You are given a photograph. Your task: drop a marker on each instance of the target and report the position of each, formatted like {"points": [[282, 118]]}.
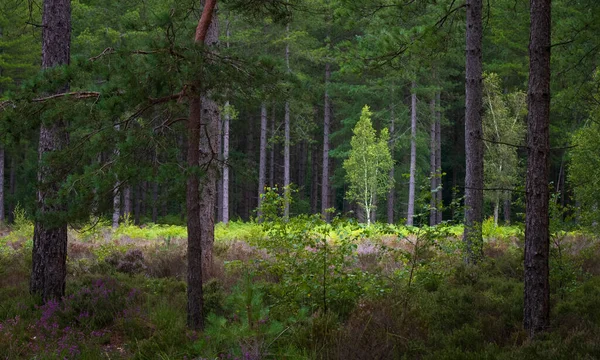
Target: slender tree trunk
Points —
{"points": [[195, 305], [507, 201], [225, 191], [496, 209], [473, 134], [2, 216], [127, 201], [314, 182], [286, 148], [138, 204], [390, 199], [537, 289], [413, 156], [12, 187], [155, 201], [219, 184], [272, 150], [432, 166], [326, 129], [49, 268], [116, 193], [438, 157], [209, 133], [262, 167]]}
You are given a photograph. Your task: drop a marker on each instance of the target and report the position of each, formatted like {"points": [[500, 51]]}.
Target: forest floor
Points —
{"points": [[299, 290]]}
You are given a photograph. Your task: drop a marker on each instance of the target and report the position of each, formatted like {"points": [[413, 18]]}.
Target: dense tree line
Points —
{"points": [[140, 100]]}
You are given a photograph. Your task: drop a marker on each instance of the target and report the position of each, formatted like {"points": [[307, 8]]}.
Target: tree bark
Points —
{"points": [[2, 216], [473, 134], [262, 162], [507, 202], [225, 191], [209, 156], [286, 146], [432, 166], [326, 130], [127, 201], [438, 157], [413, 157], [537, 294], [314, 181], [390, 199], [12, 187], [116, 193], [195, 304], [272, 150], [49, 268]]}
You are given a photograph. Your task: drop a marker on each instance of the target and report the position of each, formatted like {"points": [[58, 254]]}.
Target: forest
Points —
{"points": [[299, 179]]}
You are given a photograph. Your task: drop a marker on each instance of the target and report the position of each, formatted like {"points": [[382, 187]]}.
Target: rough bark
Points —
{"points": [[209, 156], [225, 191], [390, 199], [432, 166], [438, 156], [195, 304], [49, 268], [473, 134], [537, 295], [413, 157], [326, 129], [262, 159], [127, 201]]}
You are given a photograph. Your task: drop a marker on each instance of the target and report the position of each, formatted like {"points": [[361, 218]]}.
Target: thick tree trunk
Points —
{"points": [[127, 201], [390, 199], [413, 156], [438, 156], [272, 150], [262, 159], [473, 134], [432, 166], [209, 155], [195, 305], [49, 268], [537, 293], [225, 191], [325, 203]]}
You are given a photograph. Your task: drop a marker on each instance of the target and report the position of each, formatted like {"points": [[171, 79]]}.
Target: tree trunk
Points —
{"points": [[195, 305], [496, 210], [413, 156], [507, 202], [390, 199], [432, 166], [49, 268], [12, 187], [438, 157], [286, 146], [473, 134], [272, 150], [326, 129], [138, 204], [116, 193], [537, 294], [209, 133], [127, 201], [225, 191], [2, 216], [262, 167], [314, 181]]}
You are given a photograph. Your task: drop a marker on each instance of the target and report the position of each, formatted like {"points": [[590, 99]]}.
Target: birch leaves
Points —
{"points": [[368, 165]]}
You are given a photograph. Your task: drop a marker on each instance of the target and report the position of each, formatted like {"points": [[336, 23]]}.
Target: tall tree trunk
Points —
{"points": [[155, 201], [432, 166], [219, 184], [496, 209], [2, 216], [12, 187], [225, 191], [473, 134], [209, 133], [390, 199], [413, 156], [116, 193], [49, 268], [507, 202], [272, 150], [537, 294], [286, 146], [127, 201], [326, 130], [195, 304], [262, 162], [314, 181], [137, 210], [438, 156]]}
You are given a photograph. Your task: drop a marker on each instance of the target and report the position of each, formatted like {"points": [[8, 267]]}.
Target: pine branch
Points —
{"points": [[76, 95]]}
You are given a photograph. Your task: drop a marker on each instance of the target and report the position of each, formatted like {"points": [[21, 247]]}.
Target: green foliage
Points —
{"points": [[368, 164]]}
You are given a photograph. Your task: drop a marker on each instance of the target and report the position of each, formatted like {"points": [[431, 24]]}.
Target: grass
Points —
{"points": [[365, 293]]}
